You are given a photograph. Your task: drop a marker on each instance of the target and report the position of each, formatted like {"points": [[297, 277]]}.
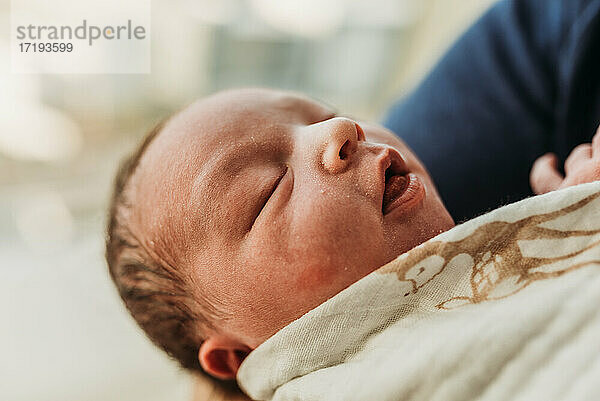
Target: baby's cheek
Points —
{"points": [[312, 276], [318, 279], [315, 284]]}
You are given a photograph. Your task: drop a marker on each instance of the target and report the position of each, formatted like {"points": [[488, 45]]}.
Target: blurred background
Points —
{"points": [[64, 334]]}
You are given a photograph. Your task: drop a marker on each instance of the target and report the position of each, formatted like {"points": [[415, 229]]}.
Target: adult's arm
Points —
{"points": [[522, 81]]}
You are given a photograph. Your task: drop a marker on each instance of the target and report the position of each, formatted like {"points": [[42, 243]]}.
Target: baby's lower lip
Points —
{"points": [[410, 195]]}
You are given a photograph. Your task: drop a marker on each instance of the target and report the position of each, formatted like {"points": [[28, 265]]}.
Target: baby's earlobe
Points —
{"points": [[221, 357]]}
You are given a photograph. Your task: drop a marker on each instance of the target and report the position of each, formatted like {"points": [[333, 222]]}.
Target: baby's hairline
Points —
{"points": [[124, 251]]}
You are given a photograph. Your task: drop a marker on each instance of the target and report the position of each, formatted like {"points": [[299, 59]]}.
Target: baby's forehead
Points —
{"points": [[228, 110]]}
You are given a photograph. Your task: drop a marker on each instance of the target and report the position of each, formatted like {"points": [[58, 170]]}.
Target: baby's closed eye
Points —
{"points": [[268, 193]]}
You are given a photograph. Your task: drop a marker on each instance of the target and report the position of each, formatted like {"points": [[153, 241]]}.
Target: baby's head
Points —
{"points": [[249, 208]]}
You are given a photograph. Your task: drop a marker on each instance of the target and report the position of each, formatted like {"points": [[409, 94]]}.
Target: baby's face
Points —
{"points": [[272, 204]]}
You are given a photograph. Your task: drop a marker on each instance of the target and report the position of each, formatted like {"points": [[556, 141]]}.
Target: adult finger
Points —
{"points": [[544, 176], [580, 153], [596, 144]]}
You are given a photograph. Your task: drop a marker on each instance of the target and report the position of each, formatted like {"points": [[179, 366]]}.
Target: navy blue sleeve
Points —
{"points": [[523, 80]]}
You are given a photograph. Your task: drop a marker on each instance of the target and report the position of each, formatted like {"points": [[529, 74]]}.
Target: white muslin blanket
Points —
{"points": [[503, 307]]}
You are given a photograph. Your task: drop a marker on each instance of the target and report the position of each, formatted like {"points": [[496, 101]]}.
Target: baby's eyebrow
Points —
{"points": [[236, 158], [209, 179], [210, 176]]}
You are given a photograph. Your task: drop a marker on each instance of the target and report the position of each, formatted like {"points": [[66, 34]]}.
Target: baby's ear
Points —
{"points": [[221, 357]]}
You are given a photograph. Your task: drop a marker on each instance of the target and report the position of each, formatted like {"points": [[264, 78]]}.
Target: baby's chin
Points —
{"points": [[403, 232]]}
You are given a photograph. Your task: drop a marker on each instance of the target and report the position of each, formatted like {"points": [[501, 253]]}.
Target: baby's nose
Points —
{"points": [[341, 136]]}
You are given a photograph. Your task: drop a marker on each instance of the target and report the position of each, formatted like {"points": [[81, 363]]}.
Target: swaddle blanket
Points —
{"points": [[503, 307]]}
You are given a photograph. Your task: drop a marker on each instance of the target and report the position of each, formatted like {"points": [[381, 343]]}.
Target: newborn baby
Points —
{"points": [[251, 207]]}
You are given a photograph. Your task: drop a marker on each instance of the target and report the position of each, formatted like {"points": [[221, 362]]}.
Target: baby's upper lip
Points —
{"points": [[391, 162], [391, 159]]}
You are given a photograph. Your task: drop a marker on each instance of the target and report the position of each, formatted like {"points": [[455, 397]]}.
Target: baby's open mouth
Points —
{"points": [[402, 188], [395, 185]]}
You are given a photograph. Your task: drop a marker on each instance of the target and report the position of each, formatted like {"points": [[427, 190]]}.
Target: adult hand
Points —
{"points": [[582, 165]]}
